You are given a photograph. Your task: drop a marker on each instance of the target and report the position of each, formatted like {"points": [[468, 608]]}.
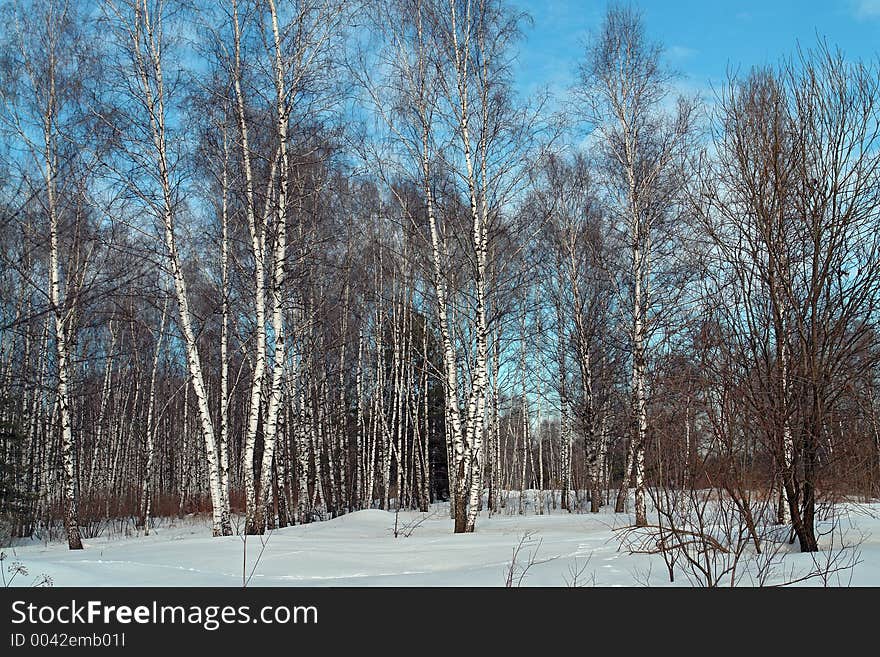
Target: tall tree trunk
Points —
{"points": [[149, 438], [147, 51], [278, 278], [68, 447]]}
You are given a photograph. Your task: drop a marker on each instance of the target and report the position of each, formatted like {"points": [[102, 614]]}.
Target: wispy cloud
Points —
{"points": [[679, 53], [867, 9]]}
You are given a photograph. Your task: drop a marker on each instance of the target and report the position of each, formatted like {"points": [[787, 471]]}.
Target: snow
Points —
{"points": [[359, 549]]}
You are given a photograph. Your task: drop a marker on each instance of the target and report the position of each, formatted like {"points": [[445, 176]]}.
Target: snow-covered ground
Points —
{"points": [[359, 549]]}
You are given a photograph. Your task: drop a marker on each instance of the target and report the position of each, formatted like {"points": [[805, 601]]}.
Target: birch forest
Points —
{"points": [[276, 261]]}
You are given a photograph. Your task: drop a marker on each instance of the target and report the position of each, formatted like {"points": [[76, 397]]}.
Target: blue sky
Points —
{"points": [[702, 38]]}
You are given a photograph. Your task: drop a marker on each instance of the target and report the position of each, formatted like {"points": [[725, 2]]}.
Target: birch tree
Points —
{"points": [[138, 26], [42, 103], [454, 121], [624, 87], [793, 227]]}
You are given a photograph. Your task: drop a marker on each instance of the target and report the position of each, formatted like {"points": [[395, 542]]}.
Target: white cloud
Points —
{"points": [[867, 9], [679, 53]]}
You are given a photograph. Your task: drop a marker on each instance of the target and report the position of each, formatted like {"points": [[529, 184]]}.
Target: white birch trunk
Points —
{"points": [[145, 37], [280, 257], [146, 489], [71, 519], [257, 239], [640, 409]]}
